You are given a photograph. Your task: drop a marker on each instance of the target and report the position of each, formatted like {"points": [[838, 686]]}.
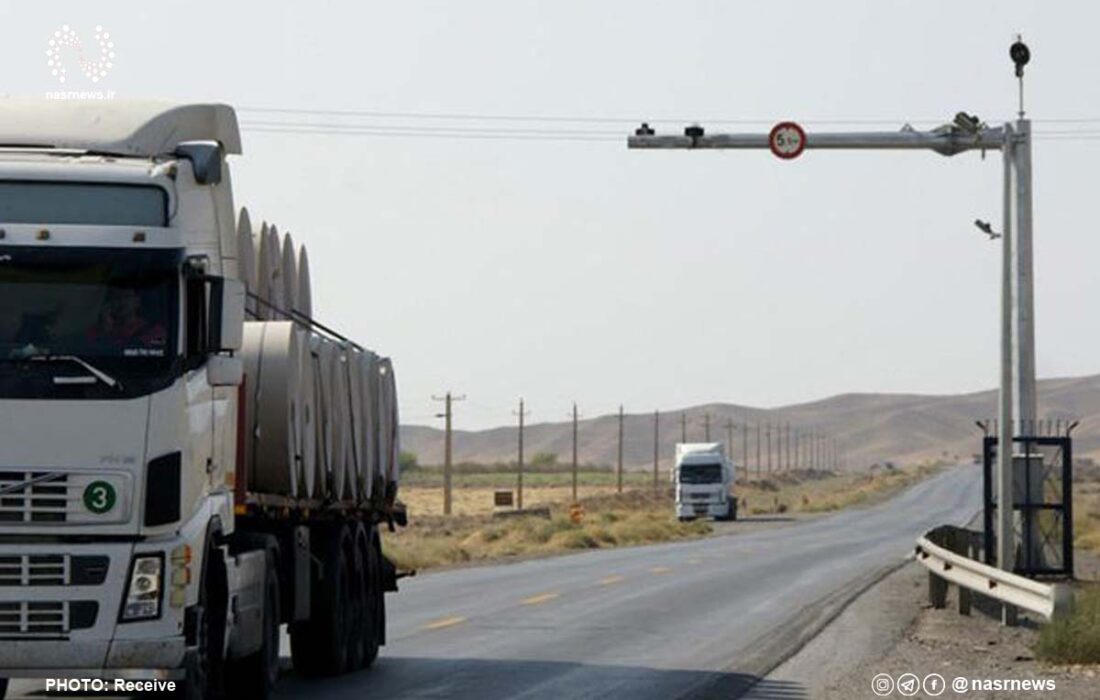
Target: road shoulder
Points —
{"points": [[891, 629]]}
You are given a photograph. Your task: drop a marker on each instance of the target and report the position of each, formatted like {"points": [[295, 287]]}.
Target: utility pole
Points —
{"points": [[656, 450], [758, 450], [523, 413], [788, 446], [575, 416], [813, 450], [797, 448], [683, 426], [729, 438], [769, 432], [745, 446], [779, 447], [448, 399], [706, 427], [619, 468]]}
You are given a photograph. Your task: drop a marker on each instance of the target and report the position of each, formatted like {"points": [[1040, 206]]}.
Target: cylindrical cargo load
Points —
{"points": [[246, 261], [305, 288], [374, 412], [310, 483], [366, 421], [355, 365], [391, 425], [276, 418], [342, 467], [251, 348], [265, 259], [320, 349], [288, 271], [274, 280]]}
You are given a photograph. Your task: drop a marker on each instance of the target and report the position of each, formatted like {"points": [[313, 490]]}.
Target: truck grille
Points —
{"points": [[39, 619], [52, 570], [56, 497], [46, 501]]}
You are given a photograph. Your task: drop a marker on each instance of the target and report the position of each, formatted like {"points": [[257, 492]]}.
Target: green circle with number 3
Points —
{"points": [[99, 497]]}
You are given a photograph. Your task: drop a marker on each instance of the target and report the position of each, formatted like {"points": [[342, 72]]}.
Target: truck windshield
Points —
{"points": [[700, 473], [113, 308]]}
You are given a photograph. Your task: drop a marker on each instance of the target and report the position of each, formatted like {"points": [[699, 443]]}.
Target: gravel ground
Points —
{"points": [[891, 629]]}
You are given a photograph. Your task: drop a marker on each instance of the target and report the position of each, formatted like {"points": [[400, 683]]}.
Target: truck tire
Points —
{"points": [[372, 597], [205, 667], [319, 646], [360, 634], [255, 675], [3, 688]]}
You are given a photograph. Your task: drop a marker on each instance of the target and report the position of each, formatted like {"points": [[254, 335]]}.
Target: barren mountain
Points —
{"points": [[870, 428]]}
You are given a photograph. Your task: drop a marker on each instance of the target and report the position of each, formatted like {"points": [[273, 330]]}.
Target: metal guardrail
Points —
{"points": [[944, 565]]}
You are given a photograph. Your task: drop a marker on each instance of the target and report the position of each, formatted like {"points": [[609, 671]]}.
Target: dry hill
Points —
{"points": [[873, 428]]}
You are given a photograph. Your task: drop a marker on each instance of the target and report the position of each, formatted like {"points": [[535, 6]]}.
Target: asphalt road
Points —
{"points": [[662, 621]]}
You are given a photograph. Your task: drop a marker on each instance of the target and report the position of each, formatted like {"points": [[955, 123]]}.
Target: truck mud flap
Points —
{"points": [[390, 575]]}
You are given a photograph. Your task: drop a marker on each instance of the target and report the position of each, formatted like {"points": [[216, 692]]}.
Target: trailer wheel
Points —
{"points": [[205, 666], [371, 595], [255, 675], [359, 635], [319, 646]]}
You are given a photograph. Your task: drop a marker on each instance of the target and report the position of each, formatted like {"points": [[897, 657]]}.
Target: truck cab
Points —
{"points": [[120, 316], [703, 477]]}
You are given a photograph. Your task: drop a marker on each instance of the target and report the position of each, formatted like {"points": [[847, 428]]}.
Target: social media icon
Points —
{"points": [[882, 684], [934, 684], [908, 684], [960, 685]]}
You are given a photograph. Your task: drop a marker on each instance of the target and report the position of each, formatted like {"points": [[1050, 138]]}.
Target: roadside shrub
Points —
{"points": [[573, 539], [1075, 639]]}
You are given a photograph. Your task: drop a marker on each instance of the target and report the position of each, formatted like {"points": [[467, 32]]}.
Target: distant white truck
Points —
{"points": [[704, 482]]}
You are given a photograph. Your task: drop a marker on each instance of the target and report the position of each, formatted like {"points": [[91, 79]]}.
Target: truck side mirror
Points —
{"points": [[227, 301]]}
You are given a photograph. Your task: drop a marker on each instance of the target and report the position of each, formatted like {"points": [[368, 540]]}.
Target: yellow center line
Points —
{"points": [[610, 580], [660, 570], [444, 622], [541, 598]]}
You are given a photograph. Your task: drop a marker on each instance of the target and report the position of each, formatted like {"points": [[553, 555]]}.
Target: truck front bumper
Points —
{"points": [[68, 659], [701, 510]]}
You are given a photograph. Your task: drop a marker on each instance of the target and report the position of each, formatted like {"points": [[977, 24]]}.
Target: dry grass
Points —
{"points": [[638, 516], [1076, 638], [610, 521], [1086, 510]]}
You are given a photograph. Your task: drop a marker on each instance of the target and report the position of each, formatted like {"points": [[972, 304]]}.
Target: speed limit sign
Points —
{"points": [[787, 140]]}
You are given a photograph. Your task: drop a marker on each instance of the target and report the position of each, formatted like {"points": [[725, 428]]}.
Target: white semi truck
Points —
{"points": [[188, 458], [704, 477]]}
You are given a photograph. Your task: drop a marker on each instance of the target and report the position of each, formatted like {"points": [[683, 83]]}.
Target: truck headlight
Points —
{"points": [[143, 593]]}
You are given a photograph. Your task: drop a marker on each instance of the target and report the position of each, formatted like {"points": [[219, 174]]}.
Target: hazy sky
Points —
{"points": [[564, 269]]}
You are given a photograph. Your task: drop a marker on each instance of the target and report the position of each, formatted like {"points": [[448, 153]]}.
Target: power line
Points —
{"points": [[564, 119]]}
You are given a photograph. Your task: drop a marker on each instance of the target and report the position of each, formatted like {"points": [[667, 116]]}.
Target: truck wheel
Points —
{"points": [[373, 604], [255, 675], [733, 511], [205, 666], [319, 646], [3, 688], [360, 633]]}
